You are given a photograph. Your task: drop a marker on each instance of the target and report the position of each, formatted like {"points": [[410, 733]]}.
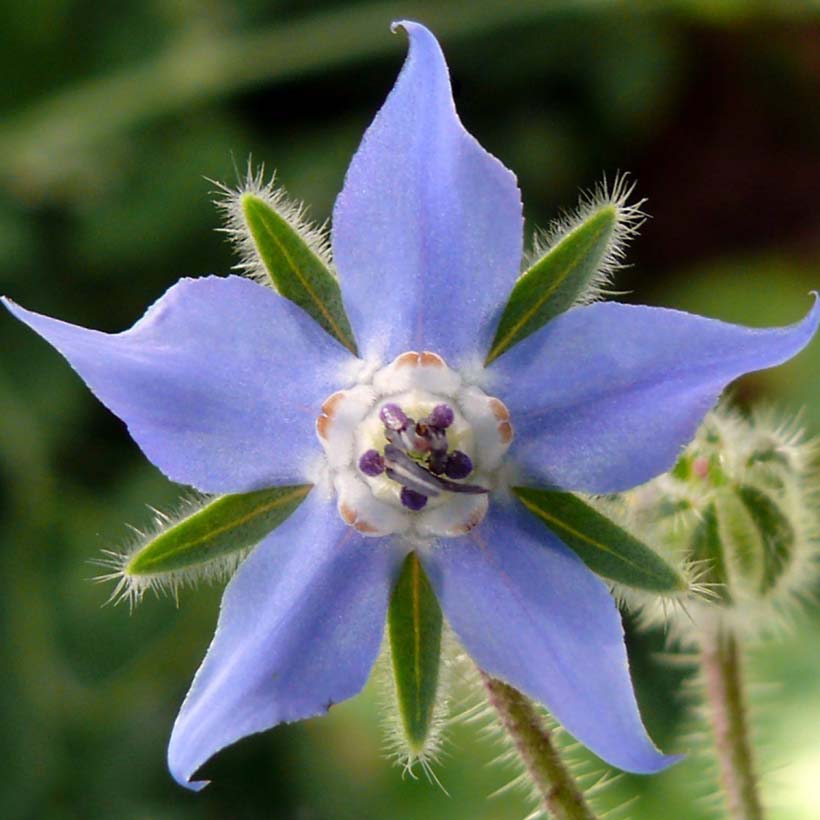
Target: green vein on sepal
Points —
{"points": [[414, 625], [557, 280], [605, 547], [297, 272], [224, 526]]}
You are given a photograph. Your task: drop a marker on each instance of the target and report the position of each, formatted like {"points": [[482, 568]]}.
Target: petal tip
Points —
{"points": [[420, 36], [181, 765], [409, 26], [810, 322], [641, 756], [11, 306], [660, 763]]}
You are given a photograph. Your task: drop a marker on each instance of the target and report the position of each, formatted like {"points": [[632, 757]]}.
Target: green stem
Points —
{"points": [[721, 660], [561, 795]]}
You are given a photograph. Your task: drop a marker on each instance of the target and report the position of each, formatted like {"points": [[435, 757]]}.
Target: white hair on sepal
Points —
{"points": [[396, 746], [131, 587], [629, 217], [229, 201], [653, 608]]}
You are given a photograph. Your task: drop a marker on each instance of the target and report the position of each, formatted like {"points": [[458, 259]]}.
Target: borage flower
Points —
{"points": [[225, 385]]}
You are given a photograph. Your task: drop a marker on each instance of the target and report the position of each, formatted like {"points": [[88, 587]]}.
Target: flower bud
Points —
{"points": [[739, 507]]}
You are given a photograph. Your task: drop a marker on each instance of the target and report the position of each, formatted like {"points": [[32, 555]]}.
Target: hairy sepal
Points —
{"points": [[758, 537], [604, 546], [414, 624], [281, 248], [571, 264], [206, 543]]}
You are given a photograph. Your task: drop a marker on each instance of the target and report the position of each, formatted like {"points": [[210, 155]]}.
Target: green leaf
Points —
{"points": [[224, 526], [414, 625], [600, 543], [296, 270], [556, 281]]}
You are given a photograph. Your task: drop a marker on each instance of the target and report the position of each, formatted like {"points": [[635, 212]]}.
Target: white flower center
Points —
{"points": [[413, 450]]}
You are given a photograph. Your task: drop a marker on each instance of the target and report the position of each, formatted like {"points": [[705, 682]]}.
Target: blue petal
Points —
{"points": [[529, 612], [604, 397], [427, 230], [299, 629], [220, 383]]}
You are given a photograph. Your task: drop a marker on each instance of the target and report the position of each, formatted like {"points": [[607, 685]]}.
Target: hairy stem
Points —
{"points": [[723, 673], [561, 795]]}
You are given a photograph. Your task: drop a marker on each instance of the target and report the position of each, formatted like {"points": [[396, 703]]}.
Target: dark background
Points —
{"points": [[113, 115]]}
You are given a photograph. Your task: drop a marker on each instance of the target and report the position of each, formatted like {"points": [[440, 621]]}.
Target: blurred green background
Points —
{"points": [[113, 116]]}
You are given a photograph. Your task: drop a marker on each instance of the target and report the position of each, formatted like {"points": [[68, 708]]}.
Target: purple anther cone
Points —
{"points": [[412, 500], [458, 465], [393, 417], [371, 463], [442, 416]]}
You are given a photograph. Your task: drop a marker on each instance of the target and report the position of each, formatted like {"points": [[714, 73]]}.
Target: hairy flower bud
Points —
{"points": [[739, 506]]}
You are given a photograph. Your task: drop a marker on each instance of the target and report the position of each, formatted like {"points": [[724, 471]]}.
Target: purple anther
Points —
{"points": [[393, 417], [411, 499], [442, 416], [459, 465], [371, 463]]}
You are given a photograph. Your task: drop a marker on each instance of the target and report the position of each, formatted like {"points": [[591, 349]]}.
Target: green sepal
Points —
{"points": [[776, 531], [296, 270], [556, 281], [605, 547], [740, 539], [706, 546], [414, 625], [759, 535], [221, 528]]}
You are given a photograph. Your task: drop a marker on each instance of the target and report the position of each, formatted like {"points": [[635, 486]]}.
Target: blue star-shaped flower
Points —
{"points": [[222, 381]]}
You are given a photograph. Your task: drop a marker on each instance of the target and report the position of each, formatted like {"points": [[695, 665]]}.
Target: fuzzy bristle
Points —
{"points": [[396, 745], [229, 201], [475, 711], [696, 735], [131, 587], [628, 221]]}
